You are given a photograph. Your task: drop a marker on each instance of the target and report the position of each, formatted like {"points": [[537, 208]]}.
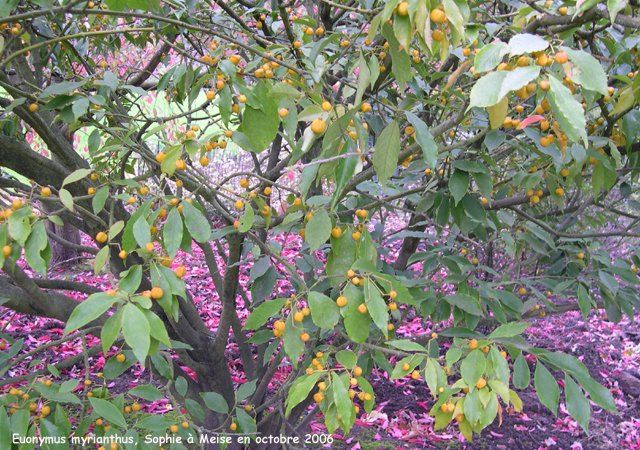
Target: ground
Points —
{"points": [[610, 352]]}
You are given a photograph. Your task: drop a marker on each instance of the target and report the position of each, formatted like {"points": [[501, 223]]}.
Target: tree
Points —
{"points": [[504, 137]]}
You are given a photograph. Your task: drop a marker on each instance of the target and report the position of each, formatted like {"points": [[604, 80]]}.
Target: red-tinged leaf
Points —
{"points": [[529, 120]]}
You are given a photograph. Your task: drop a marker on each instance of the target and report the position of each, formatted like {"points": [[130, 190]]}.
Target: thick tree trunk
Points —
{"points": [[62, 256]]}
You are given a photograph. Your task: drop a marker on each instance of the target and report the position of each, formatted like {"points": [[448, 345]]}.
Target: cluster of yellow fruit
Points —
{"points": [[535, 196], [15, 28]]}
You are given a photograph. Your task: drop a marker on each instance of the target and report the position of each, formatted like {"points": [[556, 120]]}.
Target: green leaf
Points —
{"points": [[76, 176], [343, 402], [172, 232], [66, 198], [454, 15], [293, 345], [588, 72], [5, 430], [509, 330], [347, 358], [284, 91], [458, 184], [497, 113], [261, 314], [376, 306], [131, 281], [425, 140], [472, 407], [521, 374], [318, 229], [19, 228], [197, 224], [246, 220], [245, 390], [100, 259], [491, 88], [215, 402], [261, 125], [142, 232], [155, 423], [300, 390], [364, 76], [61, 88], [527, 43], [407, 346], [356, 324], [172, 154], [568, 111], [324, 311], [157, 328], [577, 403], [147, 392], [546, 388], [34, 249], [401, 62], [615, 6], [108, 410], [387, 148], [135, 329], [246, 422], [110, 330], [90, 309], [584, 301], [465, 302], [490, 56], [50, 432], [472, 367]]}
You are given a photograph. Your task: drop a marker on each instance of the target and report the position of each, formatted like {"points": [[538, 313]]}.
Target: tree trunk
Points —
{"points": [[62, 256]]}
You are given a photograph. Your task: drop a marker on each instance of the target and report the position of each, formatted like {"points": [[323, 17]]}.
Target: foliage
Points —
{"points": [[498, 143]]}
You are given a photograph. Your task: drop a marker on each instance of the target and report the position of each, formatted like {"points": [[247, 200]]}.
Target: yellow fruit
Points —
{"points": [[181, 164], [318, 126], [283, 112], [437, 16], [563, 10], [239, 204], [473, 344], [304, 337], [121, 358], [6, 251], [341, 301], [45, 411], [405, 367], [156, 292], [101, 237], [481, 383], [393, 306], [298, 316], [561, 57], [326, 106], [437, 35], [403, 9], [580, 255], [356, 236], [204, 161], [267, 191], [362, 308], [559, 191], [336, 232], [266, 210]]}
